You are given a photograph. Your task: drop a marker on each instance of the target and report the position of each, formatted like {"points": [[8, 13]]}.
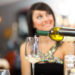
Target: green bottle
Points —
{"points": [[57, 33]]}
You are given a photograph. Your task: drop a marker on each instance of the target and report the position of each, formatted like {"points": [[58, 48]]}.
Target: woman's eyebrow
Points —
{"points": [[38, 14]]}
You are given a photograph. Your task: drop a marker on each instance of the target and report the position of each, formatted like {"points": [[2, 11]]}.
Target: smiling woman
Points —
{"points": [[41, 17], [42, 20]]}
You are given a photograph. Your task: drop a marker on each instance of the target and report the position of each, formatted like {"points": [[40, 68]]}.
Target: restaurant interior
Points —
{"points": [[14, 30]]}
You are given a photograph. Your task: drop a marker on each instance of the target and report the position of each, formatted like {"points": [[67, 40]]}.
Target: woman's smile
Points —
{"points": [[42, 20]]}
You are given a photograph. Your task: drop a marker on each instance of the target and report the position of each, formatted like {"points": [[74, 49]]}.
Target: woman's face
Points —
{"points": [[42, 20]]}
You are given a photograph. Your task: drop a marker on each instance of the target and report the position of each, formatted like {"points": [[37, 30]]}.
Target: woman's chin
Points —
{"points": [[47, 29]]}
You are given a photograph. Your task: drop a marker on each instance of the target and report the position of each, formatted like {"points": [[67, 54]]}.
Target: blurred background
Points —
{"points": [[14, 30]]}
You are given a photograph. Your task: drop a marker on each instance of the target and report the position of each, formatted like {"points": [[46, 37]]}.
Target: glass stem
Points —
{"points": [[33, 68]]}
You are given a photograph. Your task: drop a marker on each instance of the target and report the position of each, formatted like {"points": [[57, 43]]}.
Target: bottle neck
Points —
{"points": [[44, 33]]}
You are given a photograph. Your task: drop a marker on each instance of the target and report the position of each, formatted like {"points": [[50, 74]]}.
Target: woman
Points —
{"points": [[41, 17]]}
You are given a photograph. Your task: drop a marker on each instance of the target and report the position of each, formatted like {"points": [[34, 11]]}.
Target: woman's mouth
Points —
{"points": [[47, 25]]}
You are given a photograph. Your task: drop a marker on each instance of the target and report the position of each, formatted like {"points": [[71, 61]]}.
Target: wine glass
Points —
{"points": [[32, 51], [4, 72]]}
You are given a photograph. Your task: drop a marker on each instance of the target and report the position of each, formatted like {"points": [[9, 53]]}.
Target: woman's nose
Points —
{"points": [[45, 19]]}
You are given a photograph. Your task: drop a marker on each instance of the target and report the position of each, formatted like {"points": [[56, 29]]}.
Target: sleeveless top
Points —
{"points": [[49, 56], [53, 65]]}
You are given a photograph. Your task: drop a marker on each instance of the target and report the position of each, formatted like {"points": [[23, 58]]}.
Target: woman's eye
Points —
{"points": [[39, 17]]}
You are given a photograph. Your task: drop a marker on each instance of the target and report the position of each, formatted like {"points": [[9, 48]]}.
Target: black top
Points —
{"points": [[49, 69]]}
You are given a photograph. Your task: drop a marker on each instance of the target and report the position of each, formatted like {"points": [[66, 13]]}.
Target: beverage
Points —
{"points": [[69, 63], [58, 33], [33, 59]]}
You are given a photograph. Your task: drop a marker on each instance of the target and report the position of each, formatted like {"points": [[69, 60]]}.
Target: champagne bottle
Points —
{"points": [[57, 33]]}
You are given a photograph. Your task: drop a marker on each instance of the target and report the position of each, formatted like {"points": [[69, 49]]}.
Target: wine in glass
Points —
{"points": [[32, 51]]}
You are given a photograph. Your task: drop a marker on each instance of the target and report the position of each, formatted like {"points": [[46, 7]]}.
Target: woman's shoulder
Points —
{"points": [[22, 48], [68, 47], [22, 45], [67, 44]]}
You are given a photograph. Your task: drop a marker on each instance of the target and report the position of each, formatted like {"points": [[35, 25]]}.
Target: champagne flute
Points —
{"points": [[32, 51]]}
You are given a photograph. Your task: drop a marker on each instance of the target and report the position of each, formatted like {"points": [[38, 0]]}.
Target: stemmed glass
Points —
{"points": [[4, 72], [32, 51]]}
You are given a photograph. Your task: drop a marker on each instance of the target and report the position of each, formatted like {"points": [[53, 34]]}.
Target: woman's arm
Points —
{"points": [[68, 48], [25, 65]]}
